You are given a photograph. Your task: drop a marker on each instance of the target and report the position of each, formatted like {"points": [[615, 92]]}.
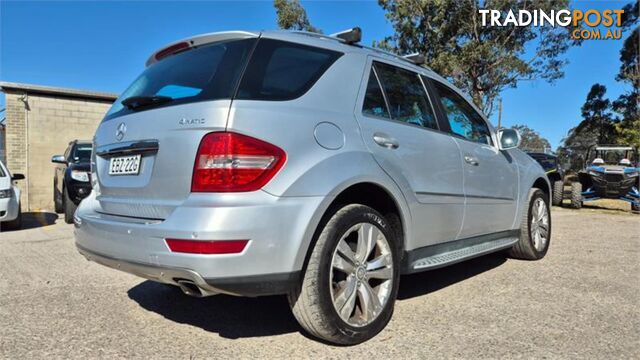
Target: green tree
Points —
{"points": [[481, 60], [292, 16], [530, 140], [627, 105], [598, 126]]}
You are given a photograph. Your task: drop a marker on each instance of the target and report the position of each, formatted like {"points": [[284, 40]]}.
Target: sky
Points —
{"points": [[103, 45]]}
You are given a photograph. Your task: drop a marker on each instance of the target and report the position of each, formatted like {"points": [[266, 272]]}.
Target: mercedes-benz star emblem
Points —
{"points": [[122, 129]]}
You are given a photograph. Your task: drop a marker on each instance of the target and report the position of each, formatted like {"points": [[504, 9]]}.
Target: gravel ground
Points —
{"points": [[580, 301]]}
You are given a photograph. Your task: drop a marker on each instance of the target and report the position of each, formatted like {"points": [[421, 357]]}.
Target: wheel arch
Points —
{"points": [[382, 196], [542, 184]]}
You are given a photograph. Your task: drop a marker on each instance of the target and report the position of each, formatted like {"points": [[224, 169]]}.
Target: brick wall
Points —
{"points": [[52, 123]]}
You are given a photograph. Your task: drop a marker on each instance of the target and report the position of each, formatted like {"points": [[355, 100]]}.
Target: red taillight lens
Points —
{"points": [[230, 162], [206, 246]]}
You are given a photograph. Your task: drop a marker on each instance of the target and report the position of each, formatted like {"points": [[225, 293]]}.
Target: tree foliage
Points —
{"points": [[292, 16], [530, 140], [481, 60], [627, 105], [598, 126], [616, 122]]}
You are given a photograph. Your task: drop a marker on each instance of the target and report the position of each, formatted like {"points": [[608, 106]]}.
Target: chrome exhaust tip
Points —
{"points": [[189, 288]]}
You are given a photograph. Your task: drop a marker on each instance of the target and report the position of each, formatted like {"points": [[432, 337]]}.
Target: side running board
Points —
{"points": [[454, 256]]}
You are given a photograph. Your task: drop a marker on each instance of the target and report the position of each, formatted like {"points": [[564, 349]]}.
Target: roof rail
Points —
{"points": [[415, 58], [349, 36]]}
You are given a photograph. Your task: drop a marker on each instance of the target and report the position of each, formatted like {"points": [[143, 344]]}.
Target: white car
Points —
{"points": [[10, 213]]}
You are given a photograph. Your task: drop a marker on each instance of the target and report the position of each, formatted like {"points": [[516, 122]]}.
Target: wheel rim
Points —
{"points": [[361, 274], [539, 224]]}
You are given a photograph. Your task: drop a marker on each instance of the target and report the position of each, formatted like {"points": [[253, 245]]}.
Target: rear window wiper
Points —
{"points": [[135, 102]]}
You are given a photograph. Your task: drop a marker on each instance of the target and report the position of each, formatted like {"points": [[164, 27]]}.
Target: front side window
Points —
{"points": [[280, 70], [374, 103], [463, 119], [408, 101]]}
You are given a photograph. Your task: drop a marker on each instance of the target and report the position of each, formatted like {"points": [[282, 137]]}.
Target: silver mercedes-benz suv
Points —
{"points": [[259, 163]]}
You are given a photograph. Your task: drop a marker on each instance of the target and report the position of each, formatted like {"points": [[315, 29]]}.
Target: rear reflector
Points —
{"points": [[230, 162], [207, 246]]}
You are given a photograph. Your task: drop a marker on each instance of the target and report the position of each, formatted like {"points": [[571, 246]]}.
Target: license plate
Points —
{"points": [[124, 165]]}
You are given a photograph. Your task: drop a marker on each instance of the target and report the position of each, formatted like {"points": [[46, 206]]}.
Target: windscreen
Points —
{"points": [[82, 153], [614, 156], [209, 72]]}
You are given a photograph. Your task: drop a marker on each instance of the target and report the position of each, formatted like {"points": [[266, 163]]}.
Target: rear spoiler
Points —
{"points": [[186, 44]]}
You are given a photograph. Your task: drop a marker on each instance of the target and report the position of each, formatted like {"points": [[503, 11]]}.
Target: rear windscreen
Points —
{"points": [[277, 71], [209, 72]]}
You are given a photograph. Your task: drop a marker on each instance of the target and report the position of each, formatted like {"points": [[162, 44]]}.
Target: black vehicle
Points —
{"points": [[610, 172], [554, 172], [71, 180]]}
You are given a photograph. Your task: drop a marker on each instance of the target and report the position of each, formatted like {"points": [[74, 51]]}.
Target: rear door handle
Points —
{"points": [[386, 141], [471, 160]]}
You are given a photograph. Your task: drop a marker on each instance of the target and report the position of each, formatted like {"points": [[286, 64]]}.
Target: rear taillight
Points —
{"points": [[230, 162], [206, 246]]}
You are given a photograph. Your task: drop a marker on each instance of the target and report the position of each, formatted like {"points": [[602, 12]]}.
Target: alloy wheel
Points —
{"points": [[539, 224], [361, 276]]}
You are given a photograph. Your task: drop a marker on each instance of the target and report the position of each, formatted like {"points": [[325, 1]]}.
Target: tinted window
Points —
{"points": [[463, 119], [373, 99], [280, 70], [406, 95], [208, 72]]}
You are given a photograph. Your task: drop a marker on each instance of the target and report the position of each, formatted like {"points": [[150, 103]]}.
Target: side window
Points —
{"points": [[463, 119], [373, 99], [280, 70], [408, 101]]}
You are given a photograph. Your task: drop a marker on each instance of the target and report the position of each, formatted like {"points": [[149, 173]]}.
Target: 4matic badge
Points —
{"points": [[196, 121]]}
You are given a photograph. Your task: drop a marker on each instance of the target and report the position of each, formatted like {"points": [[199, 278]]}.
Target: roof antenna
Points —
{"points": [[415, 58], [350, 36]]}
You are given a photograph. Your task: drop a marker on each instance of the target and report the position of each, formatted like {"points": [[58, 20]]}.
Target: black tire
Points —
{"points": [[311, 300], [558, 193], [635, 208], [14, 224], [57, 200], [524, 248], [576, 195], [69, 208]]}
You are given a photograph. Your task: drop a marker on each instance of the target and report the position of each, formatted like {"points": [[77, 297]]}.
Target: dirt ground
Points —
{"points": [[581, 301]]}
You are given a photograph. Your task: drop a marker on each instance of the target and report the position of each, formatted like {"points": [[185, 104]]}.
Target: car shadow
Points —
{"points": [[240, 317], [424, 283], [32, 220], [229, 316]]}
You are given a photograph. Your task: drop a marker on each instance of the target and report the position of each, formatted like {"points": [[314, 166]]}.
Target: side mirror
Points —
{"points": [[58, 159], [509, 138], [17, 177]]}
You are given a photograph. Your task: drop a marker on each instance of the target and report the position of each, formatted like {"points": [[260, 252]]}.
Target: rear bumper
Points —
{"points": [[245, 286], [276, 228]]}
